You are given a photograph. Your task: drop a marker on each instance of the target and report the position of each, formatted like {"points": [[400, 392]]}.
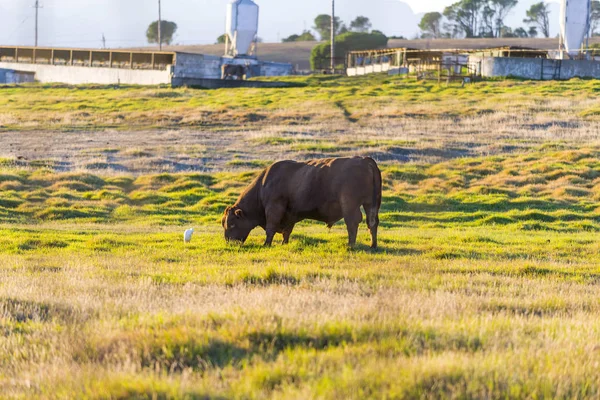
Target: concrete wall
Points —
{"points": [[80, 75], [8, 76], [580, 69], [275, 69], [537, 68], [368, 69], [197, 66], [229, 84], [526, 68]]}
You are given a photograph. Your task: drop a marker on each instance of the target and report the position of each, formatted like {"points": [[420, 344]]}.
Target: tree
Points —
{"points": [[478, 18], [360, 24], [349, 41], [494, 13], [306, 36], [291, 38], [431, 25], [167, 28], [532, 31], [520, 32], [507, 32], [323, 26], [595, 17], [222, 39], [464, 17], [538, 16]]}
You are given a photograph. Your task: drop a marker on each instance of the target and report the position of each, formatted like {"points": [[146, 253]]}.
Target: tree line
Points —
{"points": [[465, 18], [485, 19], [322, 27]]}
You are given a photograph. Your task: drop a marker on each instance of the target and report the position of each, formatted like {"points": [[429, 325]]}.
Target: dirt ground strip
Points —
{"points": [[254, 145]]}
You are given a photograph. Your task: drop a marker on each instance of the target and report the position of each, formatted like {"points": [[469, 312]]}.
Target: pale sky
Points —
{"points": [[81, 23], [427, 5]]}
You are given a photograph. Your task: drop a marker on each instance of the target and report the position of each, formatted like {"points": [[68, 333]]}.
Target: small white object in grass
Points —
{"points": [[187, 236]]}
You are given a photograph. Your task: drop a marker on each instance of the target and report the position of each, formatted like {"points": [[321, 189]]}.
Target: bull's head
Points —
{"points": [[237, 227]]}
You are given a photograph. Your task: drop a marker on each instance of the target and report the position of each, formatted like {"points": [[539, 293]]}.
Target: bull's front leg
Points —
{"points": [[274, 215]]}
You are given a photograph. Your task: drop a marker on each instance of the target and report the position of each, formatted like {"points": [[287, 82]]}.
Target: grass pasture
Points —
{"points": [[486, 283]]}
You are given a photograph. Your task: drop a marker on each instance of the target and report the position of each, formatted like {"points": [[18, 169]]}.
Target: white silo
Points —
{"points": [[241, 27], [574, 25]]}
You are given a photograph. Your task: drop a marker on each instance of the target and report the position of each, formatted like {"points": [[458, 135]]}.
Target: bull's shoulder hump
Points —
{"points": [[281, 168], [283, 165], [363, 160], [341, 161], [321, 162], [284, 162]]}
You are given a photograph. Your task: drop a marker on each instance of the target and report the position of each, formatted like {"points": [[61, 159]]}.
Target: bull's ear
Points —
{"points": [[227, 209], [239, 213]]}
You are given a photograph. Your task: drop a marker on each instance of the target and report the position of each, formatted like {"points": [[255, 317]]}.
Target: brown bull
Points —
{"points": [[326, 190]]}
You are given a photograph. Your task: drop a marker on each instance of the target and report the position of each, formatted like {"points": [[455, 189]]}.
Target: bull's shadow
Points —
{"points": [[307, 240], [386, 250], [301, 242], [382, 248]]}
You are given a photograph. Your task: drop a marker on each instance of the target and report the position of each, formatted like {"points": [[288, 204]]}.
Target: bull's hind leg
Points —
{"points": [[372, 222], [353, 218], [286, 234]]}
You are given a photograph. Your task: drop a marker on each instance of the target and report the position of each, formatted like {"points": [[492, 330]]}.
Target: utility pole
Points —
{"points": [[103, 41], [37, 9], [332, 36], [159, 27]]}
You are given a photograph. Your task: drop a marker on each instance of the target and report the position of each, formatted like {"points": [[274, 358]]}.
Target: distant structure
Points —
{"points": [[241, 28], [574, 26], [571, 59], [77, 66], [469, 64]]}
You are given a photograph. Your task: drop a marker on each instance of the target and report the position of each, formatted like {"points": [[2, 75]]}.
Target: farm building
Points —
{"points": [[79, 66], [175, 68], [519, 62], [571, 57]]}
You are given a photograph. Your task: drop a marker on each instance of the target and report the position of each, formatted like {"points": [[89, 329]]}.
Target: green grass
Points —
{"points": [[485, 284], [66, 108], [557, 190], [479, 289], [435, 311]]}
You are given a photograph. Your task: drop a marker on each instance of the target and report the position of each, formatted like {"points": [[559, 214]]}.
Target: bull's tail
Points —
{"points": [[373, 209], [377, 184]]}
